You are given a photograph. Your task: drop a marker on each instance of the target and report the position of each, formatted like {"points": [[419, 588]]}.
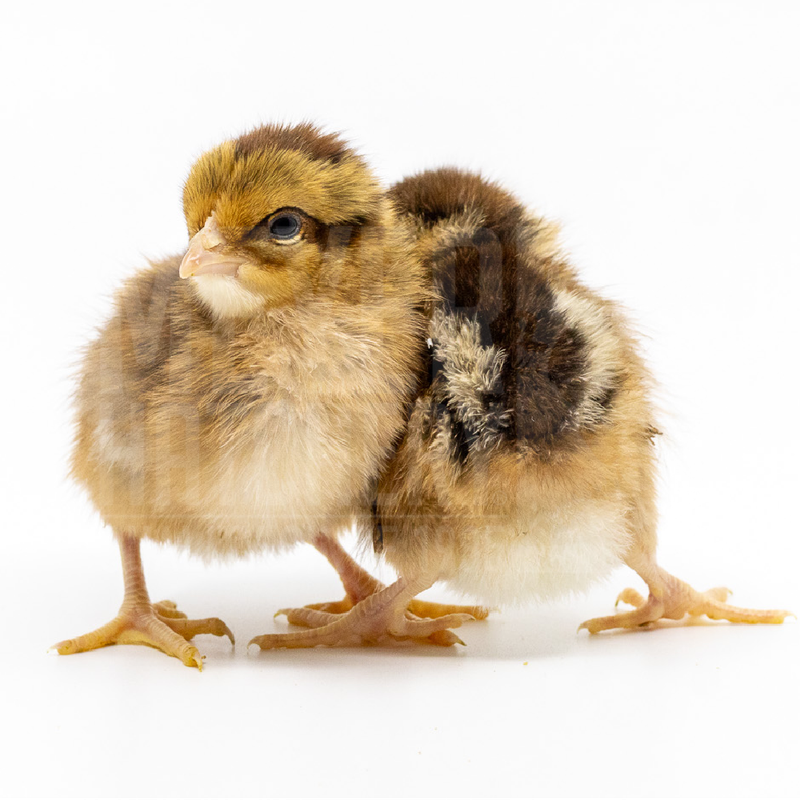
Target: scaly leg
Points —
{"points": [[139, 621], [671, 598], [359, 584], [381, 618]]}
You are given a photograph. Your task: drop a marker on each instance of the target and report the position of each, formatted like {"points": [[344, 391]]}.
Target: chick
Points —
{"points": [[246, 394], [527, 467]]}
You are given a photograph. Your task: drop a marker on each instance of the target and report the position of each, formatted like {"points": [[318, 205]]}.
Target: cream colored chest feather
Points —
{"points": [[286, 464], [294, 468]]}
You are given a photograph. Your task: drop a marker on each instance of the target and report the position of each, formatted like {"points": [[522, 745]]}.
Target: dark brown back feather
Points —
{"points": [[484, 272]]}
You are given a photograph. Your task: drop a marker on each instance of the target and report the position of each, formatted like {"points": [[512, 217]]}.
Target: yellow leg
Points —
{"points": [[139, 621], [671, 598], [359, 584]]}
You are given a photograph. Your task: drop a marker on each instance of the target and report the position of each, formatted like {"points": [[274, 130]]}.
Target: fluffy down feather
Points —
{"points": [[227, 434], [527, 463]]}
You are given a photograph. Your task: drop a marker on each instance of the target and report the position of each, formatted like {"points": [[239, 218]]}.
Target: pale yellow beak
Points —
{"points": [[203, 256]]}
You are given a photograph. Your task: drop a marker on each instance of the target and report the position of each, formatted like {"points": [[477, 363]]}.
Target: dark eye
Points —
{"points": [[285, 225]]}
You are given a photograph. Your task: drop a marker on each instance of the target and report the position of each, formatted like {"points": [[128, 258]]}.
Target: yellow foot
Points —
{"points": [[158, 625], [673, 599], [381, 618]]}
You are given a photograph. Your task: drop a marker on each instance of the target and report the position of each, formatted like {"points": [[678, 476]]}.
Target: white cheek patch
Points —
{"points": [[225, 297]]}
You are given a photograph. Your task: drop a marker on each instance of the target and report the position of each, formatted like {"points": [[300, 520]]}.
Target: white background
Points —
{"points": [[665, 137]]}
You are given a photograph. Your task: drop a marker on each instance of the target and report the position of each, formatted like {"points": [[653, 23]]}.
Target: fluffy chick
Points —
{"points": [[527, 468], [245, 395]]}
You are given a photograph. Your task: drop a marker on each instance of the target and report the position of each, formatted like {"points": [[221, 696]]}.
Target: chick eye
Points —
{"points": [[285, 226]]}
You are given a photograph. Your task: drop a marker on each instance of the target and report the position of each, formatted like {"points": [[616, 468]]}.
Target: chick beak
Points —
{"points": [[204, 257]]}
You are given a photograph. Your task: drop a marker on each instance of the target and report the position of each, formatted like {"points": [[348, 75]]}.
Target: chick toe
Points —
{"points": [[423, 608], [189, 628], [309, 616], [631, 598], [166, 608], [332, 607]]}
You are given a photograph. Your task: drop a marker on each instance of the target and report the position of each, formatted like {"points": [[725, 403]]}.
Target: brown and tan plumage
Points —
{"points": [[527, 467], [245, 395], [423, 363]]}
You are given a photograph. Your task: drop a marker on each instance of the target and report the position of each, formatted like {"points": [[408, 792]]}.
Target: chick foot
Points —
{"points": [[671, 598], [381, 618], [142, 623], [160, 625], [359, 585]]}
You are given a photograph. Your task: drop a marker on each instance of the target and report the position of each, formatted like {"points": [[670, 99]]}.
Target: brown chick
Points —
{"points": [[527, 468], [245, 395]]}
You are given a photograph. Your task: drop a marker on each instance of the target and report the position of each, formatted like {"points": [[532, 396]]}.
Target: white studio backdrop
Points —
{"points": [[663, 136]]}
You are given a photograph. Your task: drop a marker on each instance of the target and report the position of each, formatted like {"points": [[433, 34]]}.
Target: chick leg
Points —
{"points": [[359, 584], [139, 621], [381, 618], [671, 598]]}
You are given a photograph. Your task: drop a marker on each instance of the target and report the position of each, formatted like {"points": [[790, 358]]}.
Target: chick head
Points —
{"points": [[266, 211]]}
